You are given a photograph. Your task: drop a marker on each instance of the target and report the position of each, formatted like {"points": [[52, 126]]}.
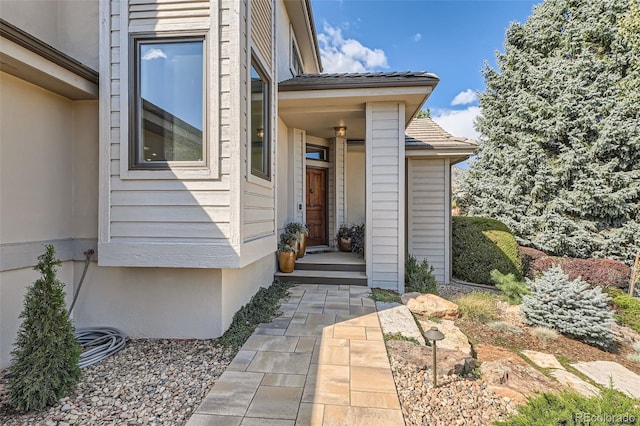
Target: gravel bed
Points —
{"points": [[456, 401], [149, 382]]}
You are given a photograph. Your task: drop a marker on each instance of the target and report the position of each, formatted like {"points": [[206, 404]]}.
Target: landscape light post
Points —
{"points": [[434, 335]]}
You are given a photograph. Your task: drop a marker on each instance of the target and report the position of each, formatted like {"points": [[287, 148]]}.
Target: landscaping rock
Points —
{"points": [[421, 358], [543, 360], [574, 383], [454, 339], [457, 400], [396, 318], [604, 372], [503, 368], [430, 305]]}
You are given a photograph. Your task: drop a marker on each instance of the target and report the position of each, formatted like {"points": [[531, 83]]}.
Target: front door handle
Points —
{"points": [[312, 191]]}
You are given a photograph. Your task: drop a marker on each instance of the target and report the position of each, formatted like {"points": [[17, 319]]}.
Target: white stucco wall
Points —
{"points": [[35, 163], [238, 285], [356, 195], [70, 26], [152, 302]]}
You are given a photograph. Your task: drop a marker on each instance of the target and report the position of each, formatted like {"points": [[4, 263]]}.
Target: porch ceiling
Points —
{"points": [[319, 111]]}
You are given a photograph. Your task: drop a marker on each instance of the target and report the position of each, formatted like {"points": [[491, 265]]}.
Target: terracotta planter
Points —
{"points": [[286, 261], [344, 244], [302, 246]]}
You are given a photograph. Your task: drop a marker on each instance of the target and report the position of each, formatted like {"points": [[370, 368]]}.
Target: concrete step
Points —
{"points": [[324, 277], [321, 266]]}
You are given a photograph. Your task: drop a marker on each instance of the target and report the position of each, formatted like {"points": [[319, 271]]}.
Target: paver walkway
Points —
{"points": [[322, 362]]}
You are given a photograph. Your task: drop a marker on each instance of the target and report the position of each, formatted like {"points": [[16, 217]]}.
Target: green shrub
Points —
{"points": [[383, 295], [568, 408], [571, 307], [628, 309], [511, 288], [478, 306], [46, 352], [480, 245], [419, 276], [262, 307]]}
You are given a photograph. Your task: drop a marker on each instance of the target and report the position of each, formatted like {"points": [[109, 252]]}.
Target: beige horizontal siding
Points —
{"points": [[427, 213]]}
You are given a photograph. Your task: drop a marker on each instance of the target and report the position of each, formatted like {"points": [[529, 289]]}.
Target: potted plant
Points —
{"points": [[302, 231], [357, 238], [291, 239], [344, 237], [286, 258]]}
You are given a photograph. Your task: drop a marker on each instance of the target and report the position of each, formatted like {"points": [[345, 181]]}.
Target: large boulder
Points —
{"points": [[510, 376], [430, 305], [416, 357], [454, 339]]}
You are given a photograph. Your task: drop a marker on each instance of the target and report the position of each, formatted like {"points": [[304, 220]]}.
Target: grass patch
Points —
{"points": [[504, 327], [398, 336], [634, 357], [478, 306], [262, 307], [569, 408], [544, 333], [382, 295], [628, 308]]}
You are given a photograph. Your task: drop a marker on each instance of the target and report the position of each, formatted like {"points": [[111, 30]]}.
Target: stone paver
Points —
{"points": [[397, 318], [574, 382], [543, 360], [604, 372], [322, 362]]}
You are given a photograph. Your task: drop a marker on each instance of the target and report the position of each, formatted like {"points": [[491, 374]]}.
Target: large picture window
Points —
{"points": [[260, 129], [168, 102]]}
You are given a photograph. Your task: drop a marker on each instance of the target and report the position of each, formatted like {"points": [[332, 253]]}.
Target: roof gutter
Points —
{"points": [[312, 30]]}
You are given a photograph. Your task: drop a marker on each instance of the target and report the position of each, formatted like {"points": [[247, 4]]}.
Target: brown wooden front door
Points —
{"points": [[317, 206]]}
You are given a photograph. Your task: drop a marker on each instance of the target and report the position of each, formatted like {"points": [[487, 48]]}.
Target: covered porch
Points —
{"points": [[359, 176]]}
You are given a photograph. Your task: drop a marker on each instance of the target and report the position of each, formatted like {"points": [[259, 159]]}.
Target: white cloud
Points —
{"points": [[340, 55], [458, 122], [154, 54], [417, 37], [465, 98]]}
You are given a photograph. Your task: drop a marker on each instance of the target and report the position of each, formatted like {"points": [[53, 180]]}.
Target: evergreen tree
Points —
{"points": [[559, 157], [571, 307], [46, 353]]}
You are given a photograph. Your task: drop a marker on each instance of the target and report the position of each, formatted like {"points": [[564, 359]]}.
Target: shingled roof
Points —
{"points": [[358, 80], [424, 133]]}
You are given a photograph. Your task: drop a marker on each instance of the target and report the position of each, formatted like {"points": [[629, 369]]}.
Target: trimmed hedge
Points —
{"points": [[601, 272], [480, 245]]}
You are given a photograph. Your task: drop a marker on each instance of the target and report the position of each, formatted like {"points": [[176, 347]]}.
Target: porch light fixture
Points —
{"points": [[434, 335], [341, 131], [260, 132]]}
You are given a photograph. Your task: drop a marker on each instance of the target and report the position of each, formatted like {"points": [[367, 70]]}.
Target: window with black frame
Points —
{"points": [[260, 130], [168, 102]]}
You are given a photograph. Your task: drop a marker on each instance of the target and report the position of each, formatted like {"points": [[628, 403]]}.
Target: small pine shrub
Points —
{"points": [[627, 307], [480, 245], [418, 276], [569, 408], [478, 306], [46, 353], [600, 272], [511, 288], [571, 307]]}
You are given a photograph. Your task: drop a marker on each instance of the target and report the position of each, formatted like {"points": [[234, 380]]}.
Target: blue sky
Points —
{"points": [[451, 38]]}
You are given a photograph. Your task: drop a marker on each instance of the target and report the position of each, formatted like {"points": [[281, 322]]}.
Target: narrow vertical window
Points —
{"points": [[260, 129], [169, 103]]}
